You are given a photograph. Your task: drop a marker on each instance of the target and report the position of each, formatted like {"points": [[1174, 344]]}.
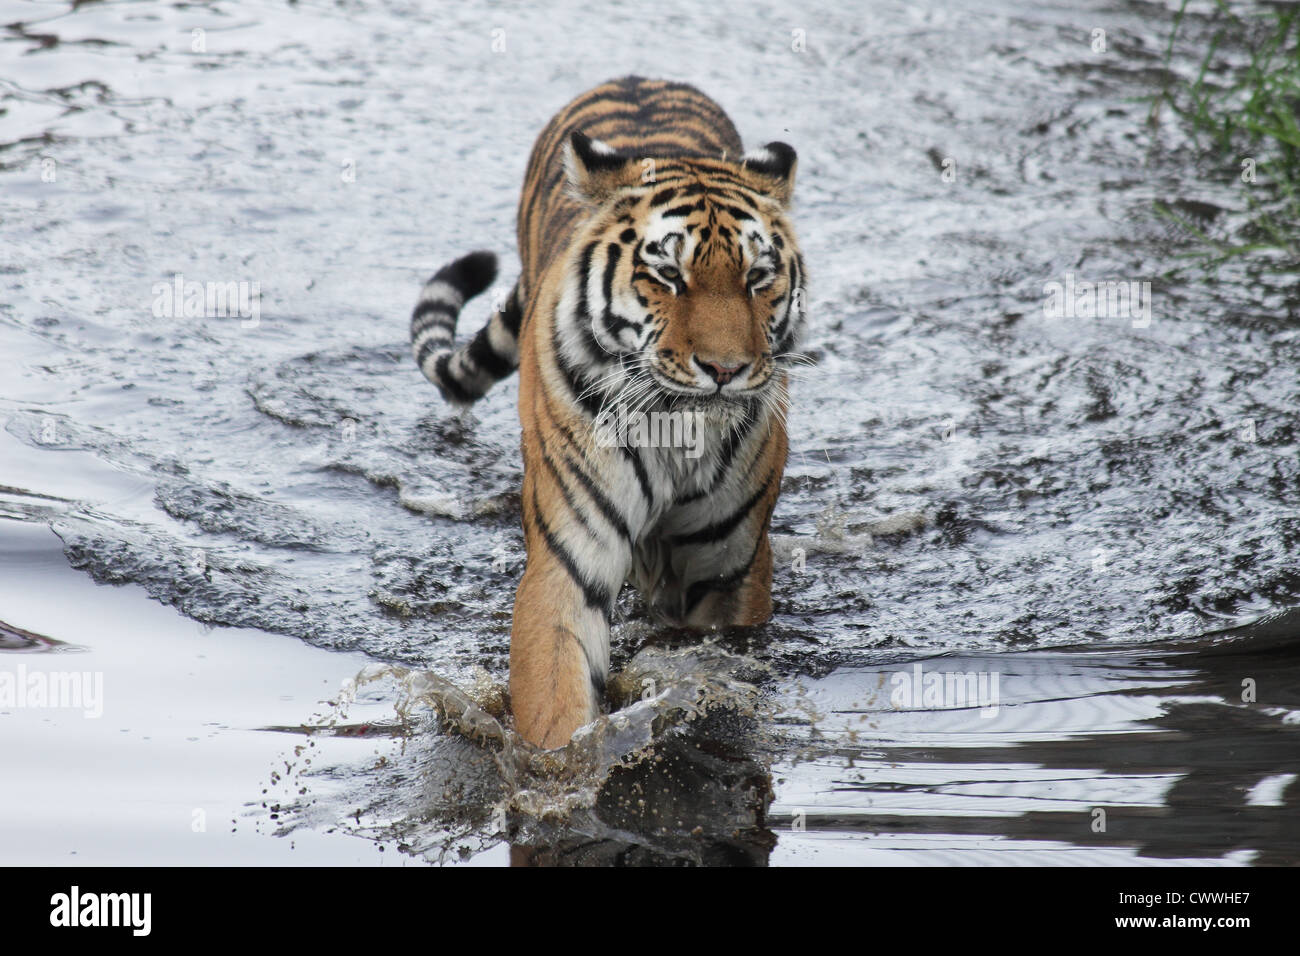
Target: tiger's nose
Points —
{"points": [[722, 374]]}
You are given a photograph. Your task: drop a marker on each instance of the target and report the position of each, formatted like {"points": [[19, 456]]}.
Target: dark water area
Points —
{"points": [[1094, 516]]}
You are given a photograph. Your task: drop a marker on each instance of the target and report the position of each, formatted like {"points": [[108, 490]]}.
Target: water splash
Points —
{"points": [[675, 772]]}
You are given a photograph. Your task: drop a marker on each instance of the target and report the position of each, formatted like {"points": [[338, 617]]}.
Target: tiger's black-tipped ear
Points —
{"points": [[771, 169], [595, 171]]}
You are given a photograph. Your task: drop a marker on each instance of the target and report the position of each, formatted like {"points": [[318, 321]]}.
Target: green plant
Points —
{"points": [[1248, 118]]}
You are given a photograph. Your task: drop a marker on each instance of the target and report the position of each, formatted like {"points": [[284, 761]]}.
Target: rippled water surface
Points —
{"points": [[1099, 513]]}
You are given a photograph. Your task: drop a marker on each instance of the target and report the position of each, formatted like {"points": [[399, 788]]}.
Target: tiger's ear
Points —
{"points": [[596, 171], [770, 169]]}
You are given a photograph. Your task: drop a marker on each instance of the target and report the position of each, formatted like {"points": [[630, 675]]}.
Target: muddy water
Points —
{"points": [[1095, 517]]}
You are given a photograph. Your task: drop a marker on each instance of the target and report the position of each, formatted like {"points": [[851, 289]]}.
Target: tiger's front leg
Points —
{"points": [[559, 642]]}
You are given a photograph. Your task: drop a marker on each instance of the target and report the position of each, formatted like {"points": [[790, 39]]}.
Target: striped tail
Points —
{"points": [[463, 375]]}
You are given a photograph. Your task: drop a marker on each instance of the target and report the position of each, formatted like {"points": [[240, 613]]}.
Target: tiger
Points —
{"points": [[660, 276]]}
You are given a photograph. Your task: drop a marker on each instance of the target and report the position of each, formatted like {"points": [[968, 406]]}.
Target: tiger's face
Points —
{"points": [[692, 282]]}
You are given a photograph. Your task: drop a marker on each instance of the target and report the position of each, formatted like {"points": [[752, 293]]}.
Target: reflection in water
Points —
{"points": [[1189, 751], [1130, 754], [14, 638], [695, 797]]}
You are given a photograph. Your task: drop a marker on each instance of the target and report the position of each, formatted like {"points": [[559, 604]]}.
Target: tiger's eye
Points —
{"points": [[670, 272]]}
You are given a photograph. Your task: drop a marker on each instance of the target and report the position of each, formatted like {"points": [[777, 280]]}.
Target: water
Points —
{"points": [[1098, 511]]}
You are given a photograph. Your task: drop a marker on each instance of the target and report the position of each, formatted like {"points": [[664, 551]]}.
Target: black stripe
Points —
{"points": [[671, 114], [449, 384], [564, 490], [627, 202], [614, 252], [720, 529], [643, 479], [789, 326], [786, 342], [612, 515], [597, 677], [434, 306], [593, 407], [726, 582], [485, 357], [735, 438], [781, 329], [595, 597], [587, 334], [512, 314], [614, 324], [432, 324], [443, 324], [427, 349], [683, 210], [667, 175], [735, 211], [579, 385], [761, 448]]}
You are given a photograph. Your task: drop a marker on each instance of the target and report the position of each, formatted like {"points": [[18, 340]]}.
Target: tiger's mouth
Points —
{"points": [[716, 404], [681, 392]]}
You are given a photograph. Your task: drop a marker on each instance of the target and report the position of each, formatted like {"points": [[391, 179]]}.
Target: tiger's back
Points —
{"points": [[661, 279]]}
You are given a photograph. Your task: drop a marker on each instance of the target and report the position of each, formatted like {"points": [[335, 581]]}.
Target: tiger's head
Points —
{"points": [[687, 285]]}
